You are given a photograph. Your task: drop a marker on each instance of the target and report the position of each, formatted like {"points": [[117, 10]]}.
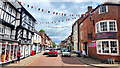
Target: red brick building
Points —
{"points": [[99, 31]]}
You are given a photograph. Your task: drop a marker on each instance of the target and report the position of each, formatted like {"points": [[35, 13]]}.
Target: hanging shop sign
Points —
{"points": [[107, 35]]}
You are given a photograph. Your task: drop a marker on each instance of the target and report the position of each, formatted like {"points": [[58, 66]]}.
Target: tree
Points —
{"points": [[42, 30], [54, 45]]}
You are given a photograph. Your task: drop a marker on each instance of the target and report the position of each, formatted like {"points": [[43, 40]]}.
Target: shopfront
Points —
{"points": [[8, 52]]}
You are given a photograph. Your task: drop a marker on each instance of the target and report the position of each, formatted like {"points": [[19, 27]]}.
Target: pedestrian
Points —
{"points": [[18, 56], [83, 53]]}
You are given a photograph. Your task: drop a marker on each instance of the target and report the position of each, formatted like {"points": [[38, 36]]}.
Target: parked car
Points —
{"points": [[59, 50], [65, 52], [53, 52], [46, 51]]}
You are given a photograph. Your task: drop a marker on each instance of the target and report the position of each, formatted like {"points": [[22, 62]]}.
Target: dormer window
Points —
{"points": [[103, 9]]}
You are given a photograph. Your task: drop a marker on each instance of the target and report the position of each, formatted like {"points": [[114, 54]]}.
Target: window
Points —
{"points": [[10, 9], [103, 9], [81, 25], [103, 26], [1, 29], [81, 35], [97, 27], [112, 26], [106, 26], [107, 47]]}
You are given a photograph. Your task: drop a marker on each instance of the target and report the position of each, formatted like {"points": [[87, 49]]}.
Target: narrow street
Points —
{"points": [[46, 61]]}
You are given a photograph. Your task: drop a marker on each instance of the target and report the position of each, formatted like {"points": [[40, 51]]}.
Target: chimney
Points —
{"points": [[89, 8]]}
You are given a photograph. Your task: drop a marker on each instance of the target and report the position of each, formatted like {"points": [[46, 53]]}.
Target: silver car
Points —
{"points": [[46, 51], [65, 52]]}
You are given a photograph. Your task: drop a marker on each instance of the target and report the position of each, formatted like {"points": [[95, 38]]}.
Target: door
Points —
{"points": [[86, 48]]}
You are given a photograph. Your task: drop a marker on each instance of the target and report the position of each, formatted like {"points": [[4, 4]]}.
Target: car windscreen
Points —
{"points": [[47, 49], [52, 49], [65, 50]]}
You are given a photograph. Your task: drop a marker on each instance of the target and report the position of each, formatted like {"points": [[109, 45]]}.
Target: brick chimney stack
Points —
{"points": [[89, 8]]}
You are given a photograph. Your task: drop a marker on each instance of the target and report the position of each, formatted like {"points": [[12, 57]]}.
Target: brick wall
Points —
{"points": [[89, 27]]}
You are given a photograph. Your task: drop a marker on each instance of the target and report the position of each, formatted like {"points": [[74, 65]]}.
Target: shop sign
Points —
{"points": [[92, 44], [106, 35]]}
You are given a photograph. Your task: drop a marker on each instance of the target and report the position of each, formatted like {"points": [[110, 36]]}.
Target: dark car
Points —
{"points": [[53, 52]]}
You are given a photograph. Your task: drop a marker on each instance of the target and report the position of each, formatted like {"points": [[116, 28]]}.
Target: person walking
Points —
{"points": [[83, 53], [18, 56]]}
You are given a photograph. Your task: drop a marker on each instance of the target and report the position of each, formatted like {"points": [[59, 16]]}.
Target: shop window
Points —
{"points": [[99, 47], [15, 52], [106, 26], [3, 53], [0, 52], [7, 53], [107, 47], [113, 46], [12, 49]]}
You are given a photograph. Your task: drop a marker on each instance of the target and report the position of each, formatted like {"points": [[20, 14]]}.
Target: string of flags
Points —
{"points": [[58, 26], [43, 10], [47, 11], [56, 21]]}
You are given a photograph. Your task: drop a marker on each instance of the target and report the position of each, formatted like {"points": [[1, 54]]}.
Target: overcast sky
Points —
{"points": [[61, 6]]}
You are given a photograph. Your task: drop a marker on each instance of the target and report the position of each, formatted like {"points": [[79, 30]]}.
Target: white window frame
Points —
{"points": [[100, 9], [109, 47], [108, 30]]}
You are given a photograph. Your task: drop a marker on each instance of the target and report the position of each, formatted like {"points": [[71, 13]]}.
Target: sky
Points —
{"points": [[61, 6]]}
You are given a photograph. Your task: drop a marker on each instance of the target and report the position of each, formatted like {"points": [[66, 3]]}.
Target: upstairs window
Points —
{"points": [[103, 9], [81, 35], [106, 26], [10, 9], [81, 25]]}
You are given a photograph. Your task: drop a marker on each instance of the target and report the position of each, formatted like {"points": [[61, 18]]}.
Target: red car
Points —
{"points": [[53, 52]]}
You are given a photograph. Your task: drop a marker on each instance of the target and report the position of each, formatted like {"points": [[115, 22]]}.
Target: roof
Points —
{"points": [[107, 3], [28, 12]]}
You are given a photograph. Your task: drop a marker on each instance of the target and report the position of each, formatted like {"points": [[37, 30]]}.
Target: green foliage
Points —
{"points": [[42, 30], [54, 45]]}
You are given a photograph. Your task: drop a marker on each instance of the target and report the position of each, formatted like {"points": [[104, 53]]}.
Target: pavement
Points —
{"points": [[25, 61], [95, 63]]}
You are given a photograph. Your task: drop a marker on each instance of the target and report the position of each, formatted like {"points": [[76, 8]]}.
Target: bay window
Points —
{"points": [[106, 26], [108, 47]]}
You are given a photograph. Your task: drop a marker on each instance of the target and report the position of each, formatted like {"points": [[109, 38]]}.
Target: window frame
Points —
{"points": [[109, 47], [101, 9], [108, 24]]}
